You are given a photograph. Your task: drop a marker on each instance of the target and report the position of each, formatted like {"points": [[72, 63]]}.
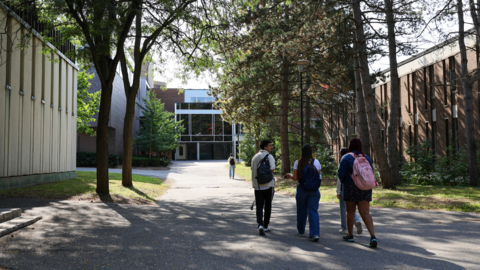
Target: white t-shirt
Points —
{"points": [[316, 163]]}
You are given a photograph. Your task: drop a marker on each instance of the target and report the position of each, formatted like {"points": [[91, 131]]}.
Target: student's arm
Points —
{"points": [[271, 160]]}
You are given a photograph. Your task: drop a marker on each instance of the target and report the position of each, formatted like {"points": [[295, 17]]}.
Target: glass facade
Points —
{"points": [[205, 127], [198, 96]]}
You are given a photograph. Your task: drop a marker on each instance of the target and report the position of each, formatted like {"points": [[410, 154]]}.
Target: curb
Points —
{"points": [[16, 224], [9, 213]]}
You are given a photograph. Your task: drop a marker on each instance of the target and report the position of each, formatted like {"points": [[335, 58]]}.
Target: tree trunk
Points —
{"points": [[370, 102], [102, 139], [392, 127], [361, 114], [128, 139], [467, 83], [308, 111], [284, 121]]}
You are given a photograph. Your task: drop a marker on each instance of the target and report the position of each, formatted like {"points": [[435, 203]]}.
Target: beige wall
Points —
{"points": [[38, 115]]}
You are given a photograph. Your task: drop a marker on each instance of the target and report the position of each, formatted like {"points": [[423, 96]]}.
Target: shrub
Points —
{"points": [[89, 159], [247, 149], [453, 169], [419, 169], [325, 156], [143, 161]]}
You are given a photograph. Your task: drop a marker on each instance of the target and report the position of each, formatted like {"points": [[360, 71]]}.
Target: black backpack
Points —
{"points": [[232, 161], [264, 174], [311, 180]]}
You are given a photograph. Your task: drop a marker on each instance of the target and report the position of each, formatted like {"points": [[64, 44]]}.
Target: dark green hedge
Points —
{"points": [[89, 159], [144, 161]]}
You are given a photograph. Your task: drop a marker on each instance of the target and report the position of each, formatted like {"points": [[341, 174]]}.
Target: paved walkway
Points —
{"points": [[204, 222]]}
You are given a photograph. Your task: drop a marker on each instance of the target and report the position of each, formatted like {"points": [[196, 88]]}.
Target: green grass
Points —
{"points": [[460, 199], [145, 189]]}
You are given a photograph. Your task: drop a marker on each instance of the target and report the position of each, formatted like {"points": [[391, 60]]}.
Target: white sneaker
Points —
{"points": [[266, 229], [342, 231], [261, 231], [300, 234], [359, 227]]}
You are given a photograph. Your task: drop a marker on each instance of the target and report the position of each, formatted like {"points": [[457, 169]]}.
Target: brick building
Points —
{"points": [[431, 101]]}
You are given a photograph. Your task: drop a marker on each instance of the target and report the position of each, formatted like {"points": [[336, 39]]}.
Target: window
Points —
{"points": [[414, 90], [434, 137], [180, 150], [445, 94], [447, 137], [218, 124], [431, 73], [425, 88], [184, 118], [453, 75]]}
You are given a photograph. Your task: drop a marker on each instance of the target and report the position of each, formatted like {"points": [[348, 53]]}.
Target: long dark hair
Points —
{"points": [[307, 156], [355, 145]]}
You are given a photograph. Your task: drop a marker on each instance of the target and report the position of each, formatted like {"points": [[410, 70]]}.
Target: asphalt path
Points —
{"points": [[204, 221]]}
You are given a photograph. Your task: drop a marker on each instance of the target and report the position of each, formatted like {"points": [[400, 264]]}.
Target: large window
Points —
{"points": [[184, 118], [218, 124], [198, 96], [202, 124]]}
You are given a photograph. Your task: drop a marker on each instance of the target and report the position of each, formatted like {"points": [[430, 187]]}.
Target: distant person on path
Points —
{"points": [[343, 208], [353, 196], [232, 162], [263, 165], [307, 171]]}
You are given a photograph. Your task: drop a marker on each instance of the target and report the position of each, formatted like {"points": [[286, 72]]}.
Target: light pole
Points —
{"points": [[301, 64]]}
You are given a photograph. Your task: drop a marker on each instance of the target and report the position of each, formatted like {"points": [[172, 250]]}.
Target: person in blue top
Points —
{"points": [[354, 196]]}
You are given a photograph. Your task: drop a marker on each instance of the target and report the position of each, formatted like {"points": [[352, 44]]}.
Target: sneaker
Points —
{"points": [[373, 242], [348, 238], [314, 238], [261, 231], [343, 231], [300, 234], [358, 224], [266, 229]]}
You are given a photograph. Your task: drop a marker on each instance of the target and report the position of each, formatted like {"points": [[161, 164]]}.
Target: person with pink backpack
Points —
{"points": [[356, 174]]}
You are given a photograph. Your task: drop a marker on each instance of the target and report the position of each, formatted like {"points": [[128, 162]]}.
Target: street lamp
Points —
{"points": [[301, 64]]}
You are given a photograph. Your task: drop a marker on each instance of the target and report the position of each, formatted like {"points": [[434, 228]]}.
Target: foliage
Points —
{"points": [[421, 166], [453, 169], [89, 159], [247, 149], [325, 156], [87, 103], [158, 130]]}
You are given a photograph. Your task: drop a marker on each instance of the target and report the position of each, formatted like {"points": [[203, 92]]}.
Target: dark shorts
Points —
{"points": [[353, 194]]}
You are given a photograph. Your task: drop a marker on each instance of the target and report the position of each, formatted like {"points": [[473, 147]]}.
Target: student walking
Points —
{"points": [[307, 171], [263, 165], [354, 196], [233, 163], [343, 207]]}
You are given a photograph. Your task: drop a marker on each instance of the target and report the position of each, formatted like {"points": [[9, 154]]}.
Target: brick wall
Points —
{"points": [[170, 96]]}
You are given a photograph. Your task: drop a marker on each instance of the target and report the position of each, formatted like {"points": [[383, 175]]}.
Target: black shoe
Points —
{"points": [[348, 238], [373, 242]]}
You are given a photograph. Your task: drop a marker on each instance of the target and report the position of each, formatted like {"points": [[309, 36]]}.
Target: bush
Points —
{"points": [[144, 161], [453, 169], [325, 156], [421, 165], [89, 159], [247, 149]]}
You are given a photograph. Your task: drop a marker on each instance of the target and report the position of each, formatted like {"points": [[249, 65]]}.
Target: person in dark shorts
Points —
{"points": [[354, 196]]}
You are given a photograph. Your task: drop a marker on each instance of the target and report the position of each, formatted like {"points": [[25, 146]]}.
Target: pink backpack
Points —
{"points": [[363, 175]]}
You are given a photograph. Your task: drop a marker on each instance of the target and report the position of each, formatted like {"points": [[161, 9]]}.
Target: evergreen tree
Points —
{"points": [[158, 130]]}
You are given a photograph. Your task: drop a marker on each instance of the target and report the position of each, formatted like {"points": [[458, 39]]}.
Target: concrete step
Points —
{"points": [[16, 224], [9, 213]]}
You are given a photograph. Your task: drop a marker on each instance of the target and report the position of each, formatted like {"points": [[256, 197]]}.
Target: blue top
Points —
{"points": [[346, 168]]}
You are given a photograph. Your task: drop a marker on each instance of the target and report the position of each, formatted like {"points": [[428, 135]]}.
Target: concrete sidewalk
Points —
{"points": [[204, 222]]}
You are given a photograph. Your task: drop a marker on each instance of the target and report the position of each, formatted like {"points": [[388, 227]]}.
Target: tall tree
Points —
{"points": [[369, 97], [159, 132], [468, 80]]}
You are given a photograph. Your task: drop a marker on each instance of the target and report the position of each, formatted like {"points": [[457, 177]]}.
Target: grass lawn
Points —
{"points": [[461, 199], [145, 190]]}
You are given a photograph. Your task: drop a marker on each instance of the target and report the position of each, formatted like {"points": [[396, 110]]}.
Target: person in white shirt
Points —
{"points": [[343, 207], [263, 192], [307, 200]]}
